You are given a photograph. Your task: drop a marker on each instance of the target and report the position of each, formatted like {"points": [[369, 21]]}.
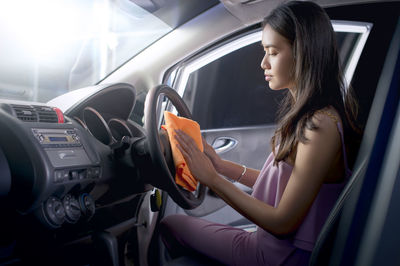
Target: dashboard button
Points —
{"points": [[82, 174], [74, 175], [58, 176], [96, 172], [65, 175]]}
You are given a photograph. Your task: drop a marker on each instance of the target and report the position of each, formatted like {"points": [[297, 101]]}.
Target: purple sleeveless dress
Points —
{"points": [[233, 246]]}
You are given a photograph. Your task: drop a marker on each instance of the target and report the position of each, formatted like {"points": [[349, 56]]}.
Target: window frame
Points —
{"points": [[180, 76]]}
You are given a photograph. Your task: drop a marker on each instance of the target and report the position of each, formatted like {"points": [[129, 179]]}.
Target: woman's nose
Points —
{"points": [[264, 63]]}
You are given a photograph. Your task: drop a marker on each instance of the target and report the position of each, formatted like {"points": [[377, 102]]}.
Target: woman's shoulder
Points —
{"points": [[326, 117], [326, 122], [323, 139]]}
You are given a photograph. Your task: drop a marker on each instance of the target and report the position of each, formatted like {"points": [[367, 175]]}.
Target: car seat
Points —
{"points": [[340, 237]]}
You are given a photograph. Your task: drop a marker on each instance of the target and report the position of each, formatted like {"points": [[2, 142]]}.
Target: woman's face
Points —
{"points": [[278, 63]]}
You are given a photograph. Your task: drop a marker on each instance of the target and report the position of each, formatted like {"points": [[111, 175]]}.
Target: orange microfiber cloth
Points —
{"points": [[183, 176]]}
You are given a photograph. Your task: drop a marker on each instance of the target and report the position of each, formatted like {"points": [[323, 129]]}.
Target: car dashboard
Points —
{"points": [[68, 175]]}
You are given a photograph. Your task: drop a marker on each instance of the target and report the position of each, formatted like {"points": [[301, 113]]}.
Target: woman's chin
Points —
{"points": [[275, 88]]}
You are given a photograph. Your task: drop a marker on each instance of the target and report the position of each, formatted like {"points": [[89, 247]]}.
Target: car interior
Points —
{"points": [[87, 174]]}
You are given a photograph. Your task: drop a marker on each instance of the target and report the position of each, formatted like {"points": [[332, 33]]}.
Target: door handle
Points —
{"points": [[224, 144]]}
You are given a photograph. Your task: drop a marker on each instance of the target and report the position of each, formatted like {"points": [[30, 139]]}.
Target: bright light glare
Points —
{"points": [[43, 25], [49, 47]]}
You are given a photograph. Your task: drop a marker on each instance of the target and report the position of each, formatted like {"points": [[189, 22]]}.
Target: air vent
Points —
{"points": [[25, 113], [35, 113], [46, 114]]}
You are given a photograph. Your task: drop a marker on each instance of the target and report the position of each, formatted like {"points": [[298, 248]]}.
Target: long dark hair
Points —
{"points": [[317, 73]]}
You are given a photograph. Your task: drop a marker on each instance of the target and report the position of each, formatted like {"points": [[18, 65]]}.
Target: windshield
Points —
{"points": [[51, 47]]}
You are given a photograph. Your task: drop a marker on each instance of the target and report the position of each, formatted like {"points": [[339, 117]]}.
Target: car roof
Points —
{"points": [[252, 11]]}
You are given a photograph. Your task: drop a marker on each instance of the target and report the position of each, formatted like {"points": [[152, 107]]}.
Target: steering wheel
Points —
{"points": [[158, 149]]}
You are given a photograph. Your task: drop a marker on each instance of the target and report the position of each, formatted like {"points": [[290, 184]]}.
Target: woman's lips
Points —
{"points": [[268, 77]]}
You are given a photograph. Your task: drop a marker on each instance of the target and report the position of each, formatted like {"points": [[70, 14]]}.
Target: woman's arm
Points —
{"points": [[312, 163], [234, 172]]}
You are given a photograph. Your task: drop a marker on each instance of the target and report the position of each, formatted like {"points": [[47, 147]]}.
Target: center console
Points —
{"points": [[54, 164], [66, 154]]}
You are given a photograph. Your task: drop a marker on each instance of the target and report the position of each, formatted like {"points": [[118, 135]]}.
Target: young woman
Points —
{"points": [[307, 168]]}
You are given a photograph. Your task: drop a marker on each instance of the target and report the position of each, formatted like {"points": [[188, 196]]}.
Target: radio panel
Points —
{"points": [[63, 147], [57, 138]]}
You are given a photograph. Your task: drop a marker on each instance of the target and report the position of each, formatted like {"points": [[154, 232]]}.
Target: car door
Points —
{"points": [[225, 89]]}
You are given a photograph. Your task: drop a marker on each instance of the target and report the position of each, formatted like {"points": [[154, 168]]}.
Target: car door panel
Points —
{"points": [[252, 144]]}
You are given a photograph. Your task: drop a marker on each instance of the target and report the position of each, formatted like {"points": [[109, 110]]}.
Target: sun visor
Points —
{"points": [[250, 11]]}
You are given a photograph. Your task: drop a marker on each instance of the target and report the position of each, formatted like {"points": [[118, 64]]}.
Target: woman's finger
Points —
{"points": [[186, 156], [187, 152], [204, 143], [187, 140], [181, 141]]}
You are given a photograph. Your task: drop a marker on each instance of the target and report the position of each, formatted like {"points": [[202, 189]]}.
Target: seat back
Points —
{"points": [[322, 251], [341, 235]]}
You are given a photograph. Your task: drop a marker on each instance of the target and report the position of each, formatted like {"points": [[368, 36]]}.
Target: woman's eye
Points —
{"points": [[270, 53]]}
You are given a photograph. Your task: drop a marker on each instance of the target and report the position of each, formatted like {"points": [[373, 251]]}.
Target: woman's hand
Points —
{"points": [[214, 157], [198, 162]]}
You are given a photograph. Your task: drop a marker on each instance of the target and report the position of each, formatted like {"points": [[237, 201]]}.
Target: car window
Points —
{"points": [[231, 91], [49, 48], [225, 87]]}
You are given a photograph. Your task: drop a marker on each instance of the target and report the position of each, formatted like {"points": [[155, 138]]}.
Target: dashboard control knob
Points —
{"points": [[87, 205], [72, 209], [54, 212]]}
